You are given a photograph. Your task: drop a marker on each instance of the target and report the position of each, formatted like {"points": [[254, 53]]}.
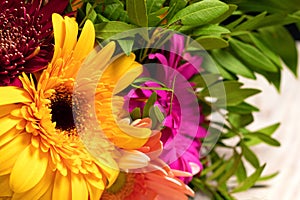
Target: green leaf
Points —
{"points": [[175, 6], [267, 131], [225, 194], [106, 30], [211, 167], [220, 89], [219, 171], [241, 173], [113, 11], [237, 97], [154, 19], [250, 156], [154, 5], [212, 42], [135, 114], [250, 181], [200, 13], [145, 79], [242, 108], [265, 49], [137, 12], [236, 22], [274, 78], [158, 114], [252, 56], [149, 104], [232, 169], [251, 22], [228, 93], [209, 29], [90, 12], [264, 178], [225, 73], [282, 43], [229, 62], [100, 19], [225, 15], [126, 46], [204, 80], [265, 138], [239, 121]]}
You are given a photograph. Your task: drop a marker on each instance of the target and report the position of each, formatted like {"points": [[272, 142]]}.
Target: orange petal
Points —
{"points": [[28, 170], [5, 190]]}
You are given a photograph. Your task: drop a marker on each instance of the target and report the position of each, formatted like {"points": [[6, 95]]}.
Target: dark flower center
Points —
{"points": [[61, 109]]}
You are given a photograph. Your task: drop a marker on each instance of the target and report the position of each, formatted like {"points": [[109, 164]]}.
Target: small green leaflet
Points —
{"points": [[137, 12], [200, 13]]}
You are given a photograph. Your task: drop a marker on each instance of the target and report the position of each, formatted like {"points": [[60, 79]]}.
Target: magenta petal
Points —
{"points": [[163, 60]]}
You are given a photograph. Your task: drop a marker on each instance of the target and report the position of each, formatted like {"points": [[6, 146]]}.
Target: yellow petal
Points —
{"points": [[10, 152], [5, 190], [39, 190], [62, 187], [94, 192], [48, 194], [128, 78], [88, 75], [86, 41], [110, 172], [9, 135], [95, 181], [6, 109], [79, 187], [7, 123], [59, 35], [127, 137], [12, 94], [28, 170], [120, 134], [71, 31], [117, 71]]}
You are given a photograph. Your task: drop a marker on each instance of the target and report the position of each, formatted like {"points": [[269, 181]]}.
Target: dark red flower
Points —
{"points": [[25, 37]]}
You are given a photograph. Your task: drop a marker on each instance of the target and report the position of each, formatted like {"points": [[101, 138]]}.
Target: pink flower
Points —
{"points": [[182, 124]]}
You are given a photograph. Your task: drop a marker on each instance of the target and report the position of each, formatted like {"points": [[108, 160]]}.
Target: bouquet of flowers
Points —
{"points": [[136, 99]]}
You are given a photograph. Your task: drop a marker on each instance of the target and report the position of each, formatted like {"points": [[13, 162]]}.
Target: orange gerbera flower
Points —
{"points": [[155, 181]]}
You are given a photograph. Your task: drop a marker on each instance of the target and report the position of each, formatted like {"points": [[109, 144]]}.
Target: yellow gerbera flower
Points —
{"points": [[42, 156]]}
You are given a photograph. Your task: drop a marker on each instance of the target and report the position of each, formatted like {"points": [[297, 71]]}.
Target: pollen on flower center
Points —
{"points": [[61, 109]]}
